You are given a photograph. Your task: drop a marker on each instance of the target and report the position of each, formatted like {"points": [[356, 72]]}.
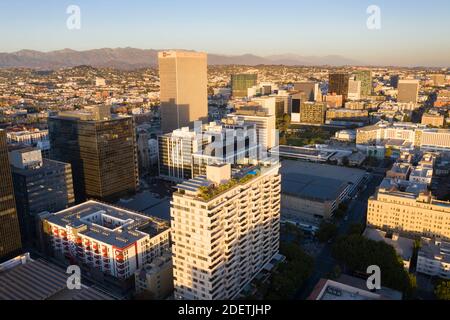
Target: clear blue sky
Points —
{"points": [[412, 31]]}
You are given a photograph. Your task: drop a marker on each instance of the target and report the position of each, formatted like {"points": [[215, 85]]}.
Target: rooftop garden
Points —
{"points": [[208, 193]]}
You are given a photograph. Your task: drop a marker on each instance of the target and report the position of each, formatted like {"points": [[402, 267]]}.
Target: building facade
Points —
{"points": [[10, 242], [102, 151], [240, 83], [409, 213], [184, 89], [313, 112], [39, 185], [338, 84], [224, 230]]}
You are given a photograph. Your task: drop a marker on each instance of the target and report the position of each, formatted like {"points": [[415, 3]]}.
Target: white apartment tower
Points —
{"points": [[225, 229]]}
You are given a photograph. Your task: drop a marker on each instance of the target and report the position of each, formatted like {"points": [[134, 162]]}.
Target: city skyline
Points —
{"points": [[401, 40]]}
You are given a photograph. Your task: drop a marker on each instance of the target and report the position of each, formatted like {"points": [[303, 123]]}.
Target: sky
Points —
{"points": [[413, 32]]}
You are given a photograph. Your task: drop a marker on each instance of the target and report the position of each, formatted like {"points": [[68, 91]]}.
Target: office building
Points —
{"points": [[411, 211], [354, 89], [433, 120], [313, 112], [39, 185], [184, 89], [28, 137], [240, 83], [365, 77], [310, 89], [408, 91], [175, 152], [338, 84], [265, 124], [10, 242], [394, 79], [225, 230], [103, 238], [101, 149]]}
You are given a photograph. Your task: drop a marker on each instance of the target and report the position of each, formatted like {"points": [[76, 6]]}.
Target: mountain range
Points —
{"points": [[132, 58]]}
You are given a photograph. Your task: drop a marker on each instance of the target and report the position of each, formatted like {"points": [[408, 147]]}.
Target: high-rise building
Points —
{"points": [[354, 89], [101, 149], [265, 123], [313, 112], [408, 91], [175, 151], [365, 76], [39, 185], [394, 79], [225, 230], [184, 89], [310, 89], [240, 83], [105, 239], [338, 84], [10, 243], [438, 79]]}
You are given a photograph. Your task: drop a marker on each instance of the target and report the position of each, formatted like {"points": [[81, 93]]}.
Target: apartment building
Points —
{"points": [[434, 258], [225, 230], [106, 239], [434, 120]]}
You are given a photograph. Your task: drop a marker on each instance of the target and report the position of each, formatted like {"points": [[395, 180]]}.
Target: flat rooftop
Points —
{"points": [[40, 280], [312, 187], [433, 250], [403, 246], [109, 224], [343, 174]]}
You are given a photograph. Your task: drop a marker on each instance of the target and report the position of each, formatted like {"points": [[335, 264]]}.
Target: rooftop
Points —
{"points": [[26, 279], [435, 250], [403, 246], [108, 224]]}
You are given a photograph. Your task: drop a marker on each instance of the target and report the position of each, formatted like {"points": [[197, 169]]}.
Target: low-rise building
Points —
{"points": [[434, 258], [156, 278], [105, 240]]}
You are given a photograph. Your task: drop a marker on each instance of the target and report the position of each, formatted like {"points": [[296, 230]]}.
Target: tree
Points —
{"points": [[326, 232], [442, 290], [356, 228], [289, 275], [357, 253]]}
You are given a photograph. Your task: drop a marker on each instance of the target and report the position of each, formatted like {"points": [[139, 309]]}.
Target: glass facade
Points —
{"points": [[241, 82], [102, 153], [10, 242]]}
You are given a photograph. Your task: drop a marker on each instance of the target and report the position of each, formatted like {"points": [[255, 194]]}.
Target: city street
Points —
{"points": [[324, 262]]}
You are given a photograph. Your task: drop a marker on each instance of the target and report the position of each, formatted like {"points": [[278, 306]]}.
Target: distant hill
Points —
{"points": [[131, 58]]}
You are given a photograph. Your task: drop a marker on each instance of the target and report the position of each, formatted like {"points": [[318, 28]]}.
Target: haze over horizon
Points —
{"points": [[410, 35]]}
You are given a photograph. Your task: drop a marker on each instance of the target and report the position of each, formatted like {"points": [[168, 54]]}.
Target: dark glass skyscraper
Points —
{"points": [[10, 243], [101, 149], [338, 83], [241, 82], [39, 185]]}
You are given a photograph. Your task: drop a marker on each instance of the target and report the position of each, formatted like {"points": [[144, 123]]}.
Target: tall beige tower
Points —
{"points": [[184, 91]]}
